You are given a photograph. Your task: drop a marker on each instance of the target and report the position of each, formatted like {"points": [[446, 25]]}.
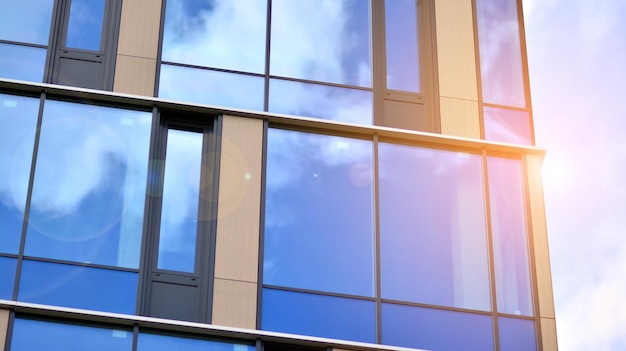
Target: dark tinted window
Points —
{"points": [[7, 272], [318, 315], [80, 287]]}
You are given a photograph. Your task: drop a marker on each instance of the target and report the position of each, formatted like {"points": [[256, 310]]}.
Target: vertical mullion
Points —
{"points": [[531, 254], [29, 193], [259, 301], [376, 224], [268, 41], [378, 60], [479, 75], [490, 248]]}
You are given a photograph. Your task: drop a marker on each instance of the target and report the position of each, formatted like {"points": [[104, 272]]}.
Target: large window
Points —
{"points": [[308, 58], [69, 42], [378, 241]]}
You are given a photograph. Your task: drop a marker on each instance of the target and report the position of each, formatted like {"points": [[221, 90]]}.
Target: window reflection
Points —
{"points": [[319, 315], [22, 62], [402, 49], [432, 227], [179, 214], [221, 34], [60, 337], [509, 126], [85, 24], [510, 247], [431, 329], [500, 52], [318, 214], [7, 272], [517, 334], [156, 342], [211, 87], [322, 40], [320, 101], [89, 188], [78, 286], [18, 121], [26, 21]]}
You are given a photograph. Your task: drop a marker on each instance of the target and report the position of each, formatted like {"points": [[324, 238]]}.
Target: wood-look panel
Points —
{"points": [[540, 236], [139, 28], [455, 49], [4, 325], [239, 203], [134, 75], [548, 334], [459, 117], [234, 304]]}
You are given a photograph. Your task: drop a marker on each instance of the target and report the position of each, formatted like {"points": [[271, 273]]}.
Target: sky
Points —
{"points": [[577, 63]]}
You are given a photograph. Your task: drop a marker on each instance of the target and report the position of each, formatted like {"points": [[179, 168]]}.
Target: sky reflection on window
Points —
{"points": [[211, 87], [320, 101], [318, 215], [85, 24], [509, 126], [322, 40], [221, 33], [89, 189], [26, 21], [18, 120], [179, 211], [53, 336], [432, 227], [402, 45], [22, 62], [510, 245], [500, 52]]}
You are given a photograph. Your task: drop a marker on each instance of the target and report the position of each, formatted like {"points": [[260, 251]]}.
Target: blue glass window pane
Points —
{"points": [[318, 213], [61, 337], [78, 286], [438, 330], [7, 274], [181, 193], [22, 62], [85, 25], [26, 21], [220, 34], [18, 121], [320, 101], [500, 52], [402, 45], [319, 315], [509, 126], [211, 87], [432, 227], [325, 41], [156, 342], [89, 189], [517, 334], [510, 243]]}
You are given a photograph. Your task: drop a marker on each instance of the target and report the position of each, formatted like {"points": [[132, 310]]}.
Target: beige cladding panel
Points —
{"points": [[139, 28], [4, 325], [234, 304], [239, 203], [548, 334], [456, 58], [540, 236], [134, 75], [459, 117]]}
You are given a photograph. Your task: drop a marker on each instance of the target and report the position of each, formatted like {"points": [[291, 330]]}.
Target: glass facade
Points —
{"points": [[109, 204]]}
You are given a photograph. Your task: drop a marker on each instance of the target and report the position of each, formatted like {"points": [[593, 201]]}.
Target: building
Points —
{"points": [[269, 175]]}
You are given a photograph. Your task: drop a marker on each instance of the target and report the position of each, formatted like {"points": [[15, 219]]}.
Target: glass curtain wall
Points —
{"points": [[84, 210], [383, 242], [309, 58]]}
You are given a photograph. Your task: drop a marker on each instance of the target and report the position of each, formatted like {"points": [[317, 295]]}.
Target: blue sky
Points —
{"points": [[577, 61]]}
